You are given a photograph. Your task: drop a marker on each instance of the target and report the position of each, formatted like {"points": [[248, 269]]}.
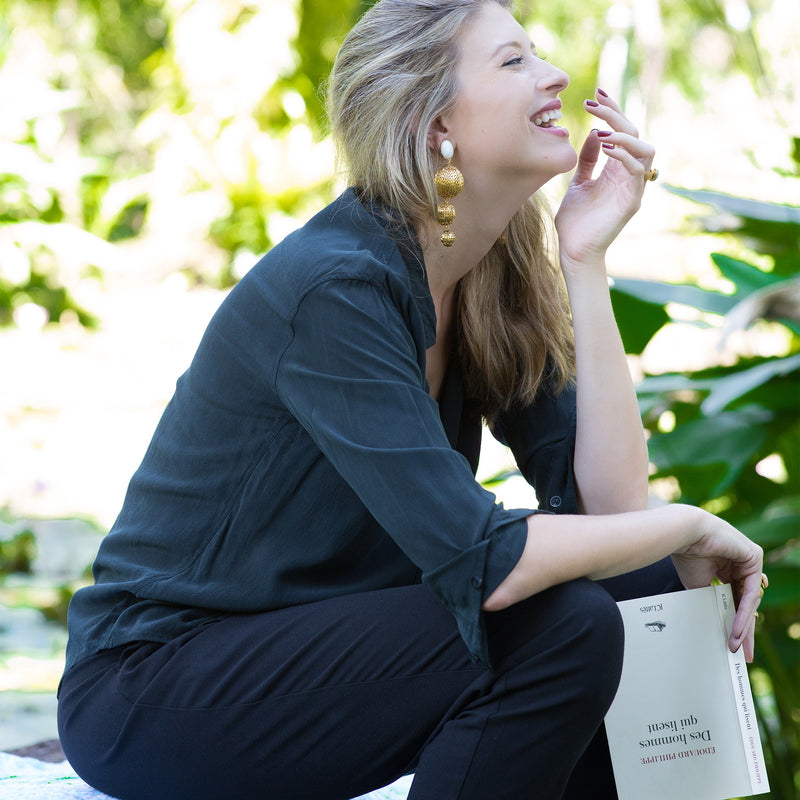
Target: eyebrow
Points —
{"points": [[513, 43]]}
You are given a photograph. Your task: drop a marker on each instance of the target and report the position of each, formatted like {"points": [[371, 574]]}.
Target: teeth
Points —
{"points": [[547, 117]]}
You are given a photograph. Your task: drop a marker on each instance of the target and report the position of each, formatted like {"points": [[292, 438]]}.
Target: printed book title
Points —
{"points": [[686, 731]]}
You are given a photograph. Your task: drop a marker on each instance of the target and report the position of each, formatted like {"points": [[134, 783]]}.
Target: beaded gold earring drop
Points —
{"points": [[449, 182]]}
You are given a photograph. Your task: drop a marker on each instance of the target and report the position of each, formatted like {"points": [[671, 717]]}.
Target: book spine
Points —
{"points": [[742, 696]]}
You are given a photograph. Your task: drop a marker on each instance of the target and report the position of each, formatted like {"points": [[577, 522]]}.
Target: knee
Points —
{"points": [[577, 627], [592, 640]]}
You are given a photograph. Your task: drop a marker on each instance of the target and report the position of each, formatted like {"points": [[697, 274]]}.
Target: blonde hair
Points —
{"points": [[395, 73]]}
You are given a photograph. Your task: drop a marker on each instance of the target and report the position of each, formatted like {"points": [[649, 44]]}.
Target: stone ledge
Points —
{"points": [[42, 751]]}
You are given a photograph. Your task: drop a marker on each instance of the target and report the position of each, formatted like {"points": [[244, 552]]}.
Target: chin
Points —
{"points": [[554, 166], [565, 162]]}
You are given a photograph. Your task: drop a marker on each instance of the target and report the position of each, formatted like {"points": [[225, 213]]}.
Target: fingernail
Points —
{"points": [[591, 103], [604, 133], [600, 91], [608, 145]]}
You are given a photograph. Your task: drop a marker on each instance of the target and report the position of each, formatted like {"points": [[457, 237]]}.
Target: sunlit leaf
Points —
{"points": [[660, 293], [740, 206], [638, 320], [746, 277], [725, 390], [727, 441]]}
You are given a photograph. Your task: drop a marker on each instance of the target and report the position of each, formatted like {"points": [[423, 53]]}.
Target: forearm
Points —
{"points": [[702, 546], [610, 449], [562, 548]]}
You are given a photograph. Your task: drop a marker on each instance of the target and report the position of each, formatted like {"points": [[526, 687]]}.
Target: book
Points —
{"points": [[683, 724]]}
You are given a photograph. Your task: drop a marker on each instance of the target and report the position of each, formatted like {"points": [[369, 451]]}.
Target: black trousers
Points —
{"points": [[330, 700]]}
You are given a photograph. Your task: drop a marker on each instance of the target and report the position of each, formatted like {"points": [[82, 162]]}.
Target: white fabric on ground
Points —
{"points": [[29, 779]]}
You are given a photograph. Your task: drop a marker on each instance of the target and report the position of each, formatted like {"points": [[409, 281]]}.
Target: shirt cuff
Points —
{"points": [[464, 582]]}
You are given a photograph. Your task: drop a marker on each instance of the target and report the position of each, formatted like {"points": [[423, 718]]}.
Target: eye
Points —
{"points": [[513, 61]]}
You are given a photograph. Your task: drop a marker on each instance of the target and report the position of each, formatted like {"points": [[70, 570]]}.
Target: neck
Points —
{"points": [[481, 217]]}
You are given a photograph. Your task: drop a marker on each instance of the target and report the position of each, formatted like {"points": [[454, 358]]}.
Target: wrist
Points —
{"points": [[692, 525], [587, 266]]}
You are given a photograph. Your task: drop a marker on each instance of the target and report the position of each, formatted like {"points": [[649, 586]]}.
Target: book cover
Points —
{"points": [[683, 724]]}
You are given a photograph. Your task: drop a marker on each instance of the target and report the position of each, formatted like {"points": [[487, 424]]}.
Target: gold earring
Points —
{"points": [[449, 182]]}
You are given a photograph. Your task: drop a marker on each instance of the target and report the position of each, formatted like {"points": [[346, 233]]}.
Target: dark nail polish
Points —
{"points": [[592, 103], [608, 145], [604, 133], [601, 92]]}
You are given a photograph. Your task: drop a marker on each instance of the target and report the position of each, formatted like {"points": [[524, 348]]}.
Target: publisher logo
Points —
{"points": [[655, 627]]}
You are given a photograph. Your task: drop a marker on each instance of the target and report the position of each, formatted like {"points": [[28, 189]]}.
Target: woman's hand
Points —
{"points": [[723, 552], [595, 210], [560, 548]]}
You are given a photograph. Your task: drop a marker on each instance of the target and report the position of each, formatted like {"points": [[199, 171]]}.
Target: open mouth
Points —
{"points": [[549, 119]]}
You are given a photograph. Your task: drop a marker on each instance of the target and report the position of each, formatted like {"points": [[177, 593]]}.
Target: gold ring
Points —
{"points": [[755, 614], [764, 581], [651, 174]]}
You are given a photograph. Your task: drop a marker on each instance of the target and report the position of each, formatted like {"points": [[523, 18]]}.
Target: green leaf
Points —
{"points": [[725, 390], [783, 582], [658, 293], [672, 383], [777, 524], [740, 206], [746, 277], [788, 555], [639, 320], [727, 441]]}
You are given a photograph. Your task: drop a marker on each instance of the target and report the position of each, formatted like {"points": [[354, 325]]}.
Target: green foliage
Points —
{"points": [[114, 83], [728, 436], [17, 553], [65, 141]]}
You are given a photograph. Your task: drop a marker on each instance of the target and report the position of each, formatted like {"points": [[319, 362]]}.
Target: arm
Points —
{"points": [[610, 461], [563, 548], [353, 376], [610, 458], [610, 450]]}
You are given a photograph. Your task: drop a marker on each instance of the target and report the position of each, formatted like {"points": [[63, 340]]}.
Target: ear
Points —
{"points": [[437, 133]]}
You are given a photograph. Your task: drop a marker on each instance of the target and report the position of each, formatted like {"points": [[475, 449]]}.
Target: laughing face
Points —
{"points": [[505, 123]]}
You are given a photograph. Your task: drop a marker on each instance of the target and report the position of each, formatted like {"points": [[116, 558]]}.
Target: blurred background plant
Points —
{"points": [[151, 150], [726, 436]]}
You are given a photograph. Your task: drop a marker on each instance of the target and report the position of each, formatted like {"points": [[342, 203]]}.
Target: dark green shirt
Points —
{"points": [[302, 457]]}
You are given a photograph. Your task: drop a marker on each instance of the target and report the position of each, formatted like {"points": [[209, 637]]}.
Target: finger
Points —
{"points": [[604, 100], [743, 622], [587, 158], [749, 644], [635, 146], [633, 165], [607, 109]]}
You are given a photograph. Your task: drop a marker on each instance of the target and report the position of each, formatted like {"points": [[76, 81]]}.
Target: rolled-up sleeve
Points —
{"points": [[542, 438], [353, 376]]}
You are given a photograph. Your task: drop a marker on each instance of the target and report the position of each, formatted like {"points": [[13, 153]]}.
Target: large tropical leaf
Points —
{"points": [[741, 206], [746, 277], [660, 293], [712, 451], [638, 319], [731, 387]]}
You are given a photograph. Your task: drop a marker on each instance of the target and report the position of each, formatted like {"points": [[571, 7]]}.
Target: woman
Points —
{"points": [[306, 594]]}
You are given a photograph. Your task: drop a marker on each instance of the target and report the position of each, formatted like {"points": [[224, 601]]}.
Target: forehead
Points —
{"points": [[492, 28]]}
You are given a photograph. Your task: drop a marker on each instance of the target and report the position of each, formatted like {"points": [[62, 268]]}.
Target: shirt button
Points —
{"points": [[476, 582], [555, 501], [474, 659]]}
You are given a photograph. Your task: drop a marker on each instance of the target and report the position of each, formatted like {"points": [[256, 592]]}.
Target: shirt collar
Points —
{"points": [[405, 239]]}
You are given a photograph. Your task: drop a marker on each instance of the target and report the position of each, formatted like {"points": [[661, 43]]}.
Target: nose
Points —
{"points": [[551, 78]]}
